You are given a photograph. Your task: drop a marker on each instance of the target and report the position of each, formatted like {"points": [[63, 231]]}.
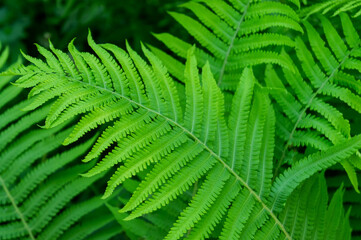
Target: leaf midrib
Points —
{"points": [[238, 178], [307, 106], [16, 208], [230, 47]]}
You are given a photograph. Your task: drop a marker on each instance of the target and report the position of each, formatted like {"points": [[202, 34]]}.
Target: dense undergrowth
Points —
{"points": [[237, 119]]}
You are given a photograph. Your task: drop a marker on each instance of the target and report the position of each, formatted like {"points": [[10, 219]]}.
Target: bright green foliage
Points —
{"points": [[42, 195], [312, 119], [230, 159], [334, 6], [40, 179], [151, 226], [188, 145], [232, 35], [308, 216]]}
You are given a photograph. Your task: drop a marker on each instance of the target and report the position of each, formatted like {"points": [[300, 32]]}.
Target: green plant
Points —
{"points": [[335, 6], [226, 145], [42, 193], [312, 118], [232, 36]]}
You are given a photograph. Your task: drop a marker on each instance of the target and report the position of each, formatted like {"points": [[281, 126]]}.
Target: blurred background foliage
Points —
{"points": [[25, 22]]}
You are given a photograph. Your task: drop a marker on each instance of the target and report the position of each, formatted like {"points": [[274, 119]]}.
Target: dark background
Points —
{"points": [[25, 22]]}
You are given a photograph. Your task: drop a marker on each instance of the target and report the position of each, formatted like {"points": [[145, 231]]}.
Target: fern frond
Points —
{"points": [[42, 195], [310, 110], [308, 215], [315, 161], [170, 151], [335, 7], [32, 207], [232, 35], [351, 199]]}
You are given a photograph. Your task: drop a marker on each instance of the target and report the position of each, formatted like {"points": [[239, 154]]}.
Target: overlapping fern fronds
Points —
{"points": [[335, 7], [42, 195], [232, 35], [39, 179], [136, 107], [151, 226], [316, 90], [307, 208]]}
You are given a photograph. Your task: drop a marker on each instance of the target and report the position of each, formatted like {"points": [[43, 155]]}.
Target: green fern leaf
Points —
{"points": [[333, 6], [33, 207], [307, 214], [232, 35], [309, 110], [171, 152]]}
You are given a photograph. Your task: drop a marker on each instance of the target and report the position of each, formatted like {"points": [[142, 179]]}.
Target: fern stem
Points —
{"points": [[17, 210], [305, 108], [195, 138], [228, 53]]}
